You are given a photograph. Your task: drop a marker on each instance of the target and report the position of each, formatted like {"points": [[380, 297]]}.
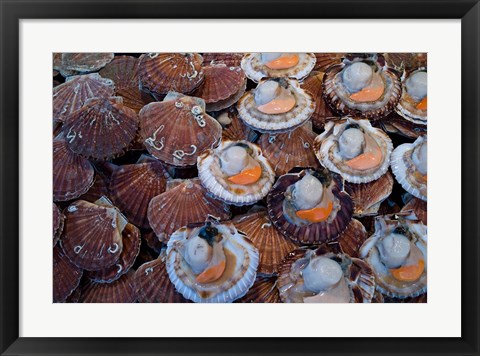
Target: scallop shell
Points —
{"points": [[152, 284], [403, 168], [72, 175], [326, 60], [235, 129], [119, 291], [367, 197], [240, 271], [75, 296], [326, 150], [406, 107], [230, 59], [58, 220], [92, 236], [313, 84], [337, 97], [152, 241], [418, 207], [123, 70], [222, 87], [288, 150], [71, 95], [177, 131], [271, 244], [314, 233], [133, 186], [188, 202], [406, 61], [394, 123], [85, 62], [58, 67], [66, 276], [131, 247], [353, 238], [98, 189], [161, 73], [256, 70], [217, 184], [276, 123], [264, 290], [103, 128]]}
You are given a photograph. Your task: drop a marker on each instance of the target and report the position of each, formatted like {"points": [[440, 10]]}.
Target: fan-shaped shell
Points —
{"points": [[230, 59], [66, 276], [85, 62], [222, 87], [187, 202], [103, 128], [326, 60], [394, 123], [314, 233], [131, 247], [75, 296], [71, 95], [160, 73], [264, 290], [58, 220], [313, 84], [353, 238], [133, 186], [406, 61], [288, 150], [72, 175], [417, 207], [271, 244], [406, 107], [235, 129], [98, 189], [177, 131], [92, 236], [119, 291]]}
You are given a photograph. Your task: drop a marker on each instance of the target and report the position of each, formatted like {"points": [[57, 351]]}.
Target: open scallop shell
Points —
{"points": [[241, 265], [177, 130], [103, 128], [406, 107], [119, 291], [406, 61], [327, 151], [71, 95], [58, 220], [313, 84], [230, 59], [66, 276], [264, 290], [288, 150], [353, 238], [161, 73], [312, 233], [85, 62], [217, 183], [72, 175], [131, 247], [394, 123], [256, 70], [275, 123], [271, 244], [92, 236], [222, 87], [187, 202]]}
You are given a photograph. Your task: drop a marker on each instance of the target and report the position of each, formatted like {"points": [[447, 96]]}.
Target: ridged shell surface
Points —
{"points": [[353, 238], [407, 106], [85, 62], [119, 291], [58, 220], [322, 113], [66, 276], [326, 60], [264, 290], [230, 59]]}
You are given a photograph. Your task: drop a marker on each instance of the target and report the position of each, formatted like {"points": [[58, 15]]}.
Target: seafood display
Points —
{"points": [[239, 177]]}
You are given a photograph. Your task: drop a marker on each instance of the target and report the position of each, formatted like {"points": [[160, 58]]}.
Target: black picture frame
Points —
{"points": [[12, 11]]}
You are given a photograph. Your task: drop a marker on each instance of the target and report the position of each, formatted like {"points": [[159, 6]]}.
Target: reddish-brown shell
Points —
{"points": [[406, 61], [58, 220], [160, 73], [222, 87], [119, 291], [177, 131], [152, 284], [234, 129], [353, 238], [71, 95], [418, 207], [288, 150], [326, 60], [152, 241], [133, 186], [72, 175], [186, 203], [394, 123], [98, 189], [123, 70], [264, 290], [102, 129], [230, 59], [91, 238], [313, 84], [75, 296], [85, 62], [131, 247], [66, 276]]}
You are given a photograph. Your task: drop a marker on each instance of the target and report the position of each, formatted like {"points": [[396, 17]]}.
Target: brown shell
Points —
{"points": [[58, 220], [222, 87], [85, 62], [123, 70], [133, 186], [418, 207], [66, 276], [289, 150], [264, 290], [152, 241], [174, 134], [152, 284], [75, 296], [315, 233], [326, 60], [119, 291], [71, 95], [72, 175], [186, 203], [230, 59], [91, 238], [58, 66], [271, 244], [406, 61], [98, 189], [236, 130], [313, 84], [394, 123], [353, 238], [367, 197], [160, 73], [131, 247], [102, 129]]}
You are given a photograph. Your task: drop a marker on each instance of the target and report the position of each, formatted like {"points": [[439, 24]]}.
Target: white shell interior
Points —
{"points": [[394, 250], [357, 76], [233, 160], [416, 85], [308, 192], [321, 274], [351, 143]]}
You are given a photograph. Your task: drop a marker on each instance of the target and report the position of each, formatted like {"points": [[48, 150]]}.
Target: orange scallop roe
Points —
{"points": [[247, 176], [211, 274], [278, 106], [372, 92], [284, 62], [409, 273], [316, 215], [422, 105]]}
